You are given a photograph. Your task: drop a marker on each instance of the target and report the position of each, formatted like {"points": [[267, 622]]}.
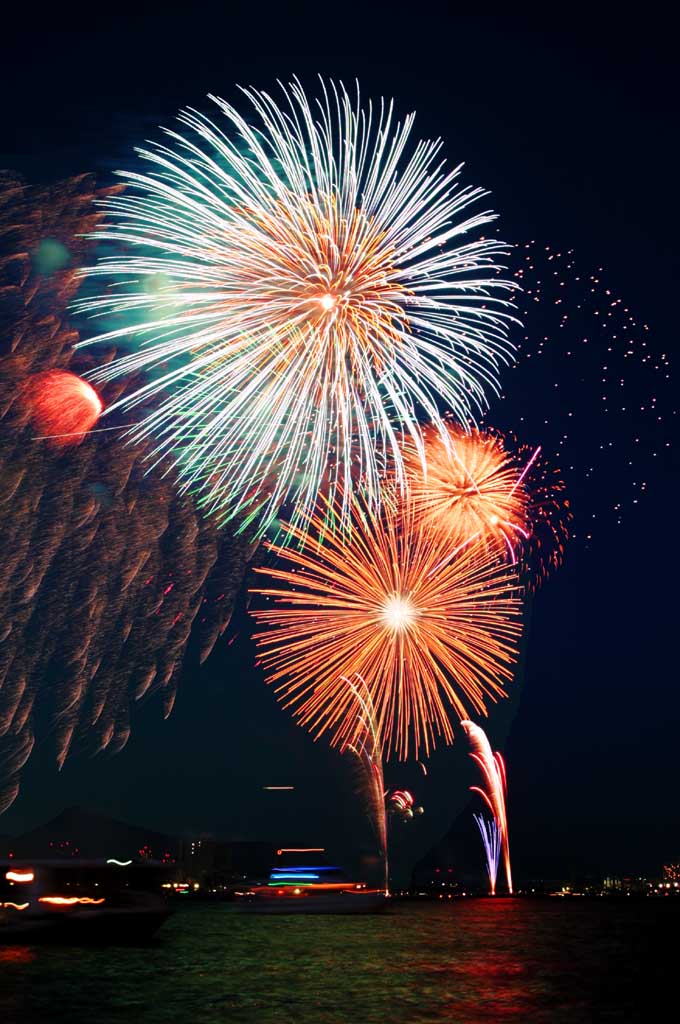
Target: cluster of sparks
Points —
{"points": [[401, 804], [602, 395], [493, 792], [472, 490], [303, 291]]}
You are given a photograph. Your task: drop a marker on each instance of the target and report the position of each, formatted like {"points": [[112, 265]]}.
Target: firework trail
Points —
{"points": [[476, 489], [425, 640], [364, 743], [492, 841], [108, 577], [493, 790], [303, 285]]}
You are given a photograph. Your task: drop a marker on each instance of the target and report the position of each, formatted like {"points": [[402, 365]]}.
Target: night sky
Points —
{"points": [[570, 122]]}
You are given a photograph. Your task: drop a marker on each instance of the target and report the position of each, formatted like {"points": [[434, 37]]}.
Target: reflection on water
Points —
{"points": [[16, 954], [464, 961]]}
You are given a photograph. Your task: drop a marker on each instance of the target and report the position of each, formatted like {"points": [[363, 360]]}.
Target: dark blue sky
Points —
{"points": [[570, 121]]}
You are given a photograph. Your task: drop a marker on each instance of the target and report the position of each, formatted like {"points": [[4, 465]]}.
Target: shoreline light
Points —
{"points": [[19, 876]]}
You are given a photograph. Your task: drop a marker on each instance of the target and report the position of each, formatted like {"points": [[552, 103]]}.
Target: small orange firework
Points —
{"points": [[474, 489], [427, 634]]}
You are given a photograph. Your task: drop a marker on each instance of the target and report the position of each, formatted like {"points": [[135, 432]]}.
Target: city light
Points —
{"points": [[19, 876], [296, 875], [301, 849]]}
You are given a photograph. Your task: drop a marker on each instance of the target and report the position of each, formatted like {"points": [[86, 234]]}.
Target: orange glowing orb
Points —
{"points": [[63, 407]]}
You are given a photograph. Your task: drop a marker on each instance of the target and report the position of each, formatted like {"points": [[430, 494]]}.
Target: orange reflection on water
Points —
{"points": [[69, 901]]}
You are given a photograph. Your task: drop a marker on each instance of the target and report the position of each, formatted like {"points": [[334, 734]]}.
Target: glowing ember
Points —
{"points": [[63, 407]]}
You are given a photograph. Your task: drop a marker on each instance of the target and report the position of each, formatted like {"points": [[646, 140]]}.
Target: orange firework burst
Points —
{"points": [[427, 638], [472, 490], [475, 489]]}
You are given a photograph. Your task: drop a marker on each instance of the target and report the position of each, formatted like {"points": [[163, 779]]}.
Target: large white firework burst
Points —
{"points": [[302, 288]]}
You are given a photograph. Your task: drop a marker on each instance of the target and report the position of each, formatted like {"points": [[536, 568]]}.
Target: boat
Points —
{"points": [[310, 899], [80, 901], [313, 888]]}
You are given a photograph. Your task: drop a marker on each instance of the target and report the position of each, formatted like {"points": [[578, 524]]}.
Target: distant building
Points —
{"points": [[615, 885]]}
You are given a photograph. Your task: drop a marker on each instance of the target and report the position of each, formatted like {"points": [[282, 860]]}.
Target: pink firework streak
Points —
{"points": [[494, 790]]}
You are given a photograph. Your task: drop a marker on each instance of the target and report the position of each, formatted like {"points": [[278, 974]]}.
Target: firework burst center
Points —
{"points": [[398, 612]]}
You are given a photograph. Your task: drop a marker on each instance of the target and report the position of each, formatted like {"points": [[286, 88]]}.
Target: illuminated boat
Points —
{"points": [[345, 898], [311, 889], [81, 901]]}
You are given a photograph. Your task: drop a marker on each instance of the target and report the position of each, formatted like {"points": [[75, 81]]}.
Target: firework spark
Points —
{"points": [[603, 397], [492, 841], [494, 788], [425, 642], [304, 287]]}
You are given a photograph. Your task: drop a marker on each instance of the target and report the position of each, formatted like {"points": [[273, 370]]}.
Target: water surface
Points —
{"points": [[464, 961]]}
